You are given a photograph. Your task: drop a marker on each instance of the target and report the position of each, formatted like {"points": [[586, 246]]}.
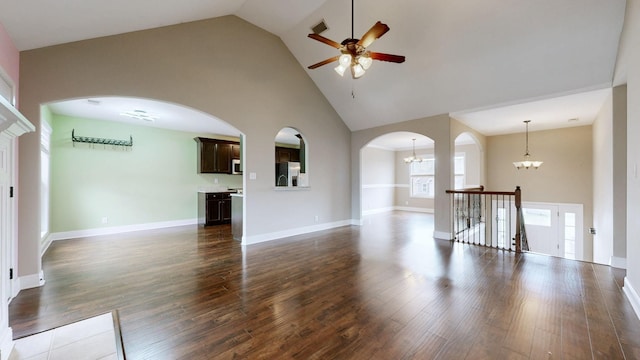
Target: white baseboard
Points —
{"points": [[442, 235], [632, 295], [618, 262], [119, 229], [378, 211], [414, 209], [398, 208], [32, 281], [255, 239], [6, 343]]}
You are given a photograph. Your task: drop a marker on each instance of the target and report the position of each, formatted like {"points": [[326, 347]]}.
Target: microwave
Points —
{"points": [[236, 166]]}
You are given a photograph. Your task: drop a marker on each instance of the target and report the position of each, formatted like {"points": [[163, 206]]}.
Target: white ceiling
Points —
{"points": [[169, 116], [460, 55]]}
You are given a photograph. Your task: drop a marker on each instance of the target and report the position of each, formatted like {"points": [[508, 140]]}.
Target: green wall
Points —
{"points": [[156, 180]]}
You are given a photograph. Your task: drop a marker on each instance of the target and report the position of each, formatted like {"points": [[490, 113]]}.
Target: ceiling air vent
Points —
{"points": [[320, 27]]}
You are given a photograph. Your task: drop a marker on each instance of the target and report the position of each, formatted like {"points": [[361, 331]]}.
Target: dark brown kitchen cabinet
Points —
{"points": [[214, 208], [214, 156], [235, 151], [285, 154]]}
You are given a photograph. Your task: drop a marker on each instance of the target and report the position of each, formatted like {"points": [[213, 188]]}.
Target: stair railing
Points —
{"points": [[488, 218]]}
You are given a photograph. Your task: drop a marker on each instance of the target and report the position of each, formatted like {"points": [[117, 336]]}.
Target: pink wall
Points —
{"points": [[9, 57]]}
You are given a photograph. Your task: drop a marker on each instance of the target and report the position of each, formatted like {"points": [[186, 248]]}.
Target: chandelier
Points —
{"points": [[413, 158], [527, 162]]}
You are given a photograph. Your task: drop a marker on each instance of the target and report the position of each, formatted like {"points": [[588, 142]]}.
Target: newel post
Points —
{"points": [[518, 219]]}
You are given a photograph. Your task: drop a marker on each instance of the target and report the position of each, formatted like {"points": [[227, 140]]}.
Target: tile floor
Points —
{"points": [[89, 339]]}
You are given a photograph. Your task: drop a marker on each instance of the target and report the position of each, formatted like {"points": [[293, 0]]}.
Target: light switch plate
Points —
{"points": [[252, 176]]}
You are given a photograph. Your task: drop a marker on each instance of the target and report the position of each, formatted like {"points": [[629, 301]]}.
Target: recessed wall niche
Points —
{"points": [[291, 156]]}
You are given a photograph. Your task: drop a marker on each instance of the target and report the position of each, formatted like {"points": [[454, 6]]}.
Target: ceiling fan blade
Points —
{"points": [[323, 39], [324, 62], [386, 57], [375, 32]]}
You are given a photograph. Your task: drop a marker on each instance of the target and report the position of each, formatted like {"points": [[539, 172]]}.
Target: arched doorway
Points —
{"points": [[148, 180], [390, 181]]}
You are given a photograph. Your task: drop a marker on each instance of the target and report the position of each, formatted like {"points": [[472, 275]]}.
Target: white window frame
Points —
{"points": [[423, 170]]}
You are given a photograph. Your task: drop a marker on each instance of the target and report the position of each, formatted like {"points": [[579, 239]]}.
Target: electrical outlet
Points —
{"points": [[215, 181], [316, 218], [105, 220], [406, 202]]}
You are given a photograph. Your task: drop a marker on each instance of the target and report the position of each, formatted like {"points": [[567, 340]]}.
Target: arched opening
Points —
{"points": [[391, 181], [119, 164], [291, 159], [468, 162]]}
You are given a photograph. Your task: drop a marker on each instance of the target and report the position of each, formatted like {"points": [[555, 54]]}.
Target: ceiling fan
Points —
{"points": [[354, 53]]}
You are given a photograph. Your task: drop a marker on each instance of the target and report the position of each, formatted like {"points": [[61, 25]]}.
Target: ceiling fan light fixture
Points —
{"points": [[365, 61], [357, 70], [345, 60], [340, 69]]}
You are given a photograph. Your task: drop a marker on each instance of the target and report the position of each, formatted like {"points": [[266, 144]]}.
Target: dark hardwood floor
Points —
{"points": [[385, 290]]}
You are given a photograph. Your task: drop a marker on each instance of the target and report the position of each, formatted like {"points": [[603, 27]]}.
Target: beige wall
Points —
{"points": [[603, 183], [628, 58], [378, 179], [619, 174], [225, 67], [565, 177], [610, 180]]}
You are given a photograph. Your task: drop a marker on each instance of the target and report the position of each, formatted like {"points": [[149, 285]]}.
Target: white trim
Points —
{"points": [[397, 208], [384, 186], [378, 186], [618, 262], [442, 235], [119, 229], [255, 239], [32, 281], [378, 211], [6, 343], [632, 295], [357, 222], [414, 209]]}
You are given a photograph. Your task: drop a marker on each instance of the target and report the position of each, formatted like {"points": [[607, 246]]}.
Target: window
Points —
{"points": [[570, 235], [422, 178]]}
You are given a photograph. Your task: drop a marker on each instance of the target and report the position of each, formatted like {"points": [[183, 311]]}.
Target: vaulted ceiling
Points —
{"points": [[463, 57]]}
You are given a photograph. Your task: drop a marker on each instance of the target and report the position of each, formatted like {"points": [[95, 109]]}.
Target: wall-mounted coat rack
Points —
{"points": [[100, 141]]}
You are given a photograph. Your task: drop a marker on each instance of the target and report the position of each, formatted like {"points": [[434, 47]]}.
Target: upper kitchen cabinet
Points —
{"points": [[214, 156]]}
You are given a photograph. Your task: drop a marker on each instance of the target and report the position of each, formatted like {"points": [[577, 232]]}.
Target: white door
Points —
{"points": [[541, 224], [554, 229]]}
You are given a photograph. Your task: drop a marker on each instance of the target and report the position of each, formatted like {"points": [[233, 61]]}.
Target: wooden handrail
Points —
{"points": [[465, 191]]}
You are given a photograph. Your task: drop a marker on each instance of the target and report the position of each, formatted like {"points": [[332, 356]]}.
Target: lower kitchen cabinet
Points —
{"points": [[214, 208]]}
